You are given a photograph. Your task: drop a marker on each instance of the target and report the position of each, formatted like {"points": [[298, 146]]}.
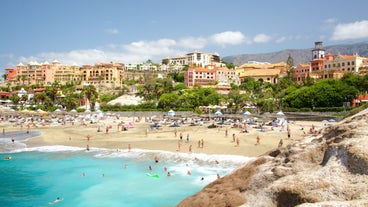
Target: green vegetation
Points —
{"points": [[171, 93]]}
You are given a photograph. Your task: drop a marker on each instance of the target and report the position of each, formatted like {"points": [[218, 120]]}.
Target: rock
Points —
{"points": [[330, 169]]}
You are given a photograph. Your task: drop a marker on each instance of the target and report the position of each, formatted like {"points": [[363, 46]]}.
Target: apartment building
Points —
{"points": [[35, 72], [226, 76], [262, 71], [108, 74], [197, 59], [203, 76], [301, 72]]}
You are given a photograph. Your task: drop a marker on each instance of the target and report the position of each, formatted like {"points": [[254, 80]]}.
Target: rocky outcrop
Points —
{"points": [[329, 169]]}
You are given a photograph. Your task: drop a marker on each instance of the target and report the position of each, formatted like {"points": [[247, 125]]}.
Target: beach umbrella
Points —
{"points": [[41, 111], [280, 113], [218, 113], [247, 113], [171, 113], [57, 111], [73, 111]]}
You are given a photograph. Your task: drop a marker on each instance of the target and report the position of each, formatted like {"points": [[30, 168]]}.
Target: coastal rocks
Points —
{"points": [[329, 169]]}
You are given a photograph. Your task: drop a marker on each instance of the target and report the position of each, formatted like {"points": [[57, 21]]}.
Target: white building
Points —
{"points": [[196, 59]]}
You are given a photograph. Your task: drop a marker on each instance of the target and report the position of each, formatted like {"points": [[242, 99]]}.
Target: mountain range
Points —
{"points": [[298, 55]]}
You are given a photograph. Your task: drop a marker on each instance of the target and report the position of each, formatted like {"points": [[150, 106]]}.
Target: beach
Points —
{"points": [[108, 132]]}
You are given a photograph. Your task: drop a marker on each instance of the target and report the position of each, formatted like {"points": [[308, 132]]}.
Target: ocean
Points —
{"points": [[104, 177]]}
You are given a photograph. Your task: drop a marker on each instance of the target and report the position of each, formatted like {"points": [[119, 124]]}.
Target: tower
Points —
{"points": [[318, 52]]}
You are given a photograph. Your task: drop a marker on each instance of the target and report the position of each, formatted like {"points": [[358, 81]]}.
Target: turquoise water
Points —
{"points": [[101, 177]]}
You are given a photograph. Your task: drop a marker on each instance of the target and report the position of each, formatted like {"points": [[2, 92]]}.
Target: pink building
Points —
{"points": [[201, 76], [301, 72]]}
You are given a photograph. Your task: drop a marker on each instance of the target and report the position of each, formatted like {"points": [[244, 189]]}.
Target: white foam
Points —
{"points": [[51, 148], [176, 157], [212, 162]]}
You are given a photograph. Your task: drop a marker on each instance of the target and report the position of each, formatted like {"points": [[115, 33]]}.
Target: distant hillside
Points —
{"points": [[299, 55]]}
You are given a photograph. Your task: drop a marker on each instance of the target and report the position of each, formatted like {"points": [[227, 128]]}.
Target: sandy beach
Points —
{"points": [[107, 132]]}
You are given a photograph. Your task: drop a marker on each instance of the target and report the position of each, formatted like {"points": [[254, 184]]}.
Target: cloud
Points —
{"points": [[330, 21], [192, 42], [79, 57], [112, 31], [228, 38], [280, 39], [141, 51], [262, 38], [158, 47], [135, 52], [355, 30]]}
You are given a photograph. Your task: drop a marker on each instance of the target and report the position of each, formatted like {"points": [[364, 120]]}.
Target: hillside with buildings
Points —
{"points": [[300, 56], [195, 68]]}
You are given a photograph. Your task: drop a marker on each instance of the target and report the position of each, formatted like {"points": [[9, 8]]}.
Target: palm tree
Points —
{"points": [[5, 76], [23, 78], [18, 78], [8, 84], [90, 93]]}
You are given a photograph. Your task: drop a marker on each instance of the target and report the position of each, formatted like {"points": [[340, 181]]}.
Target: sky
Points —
{"points": [[134, 31]]}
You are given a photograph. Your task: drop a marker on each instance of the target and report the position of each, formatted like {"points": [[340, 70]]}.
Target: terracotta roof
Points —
{"points": [[347, 56], [204, 70], [262, 72], [303, 65], [262, 65]]}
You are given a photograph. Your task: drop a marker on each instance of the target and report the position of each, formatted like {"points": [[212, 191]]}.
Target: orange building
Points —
{"points": [[265, 72], [301, 72], [333, 66], [12, 74]]}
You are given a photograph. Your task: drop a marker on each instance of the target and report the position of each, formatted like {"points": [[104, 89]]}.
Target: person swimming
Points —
{"points": [[57, 200], [8, 158]]}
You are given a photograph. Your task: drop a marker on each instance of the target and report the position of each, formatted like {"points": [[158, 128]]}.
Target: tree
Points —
{"points": [[23, 78], [176, 76], [168, 100], [290, 68], [15, 99], [91, 94], [229, 65], [308, 81], [290, 61], [180, 86], [5, 76], [235, 100], [70, 102], [8, 84]]}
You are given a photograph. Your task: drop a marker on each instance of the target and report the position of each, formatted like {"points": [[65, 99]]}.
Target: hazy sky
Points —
{"points": [[133, 31]]}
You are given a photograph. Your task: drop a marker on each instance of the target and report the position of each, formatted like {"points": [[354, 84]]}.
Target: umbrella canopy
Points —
{"points": [[171, 113], [280, 113], [57, 110], [73, 111], [218, 113], [246, 113]]}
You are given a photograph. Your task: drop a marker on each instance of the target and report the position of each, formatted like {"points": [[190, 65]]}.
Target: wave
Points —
{"points": [[138, 154], [176, 157]]}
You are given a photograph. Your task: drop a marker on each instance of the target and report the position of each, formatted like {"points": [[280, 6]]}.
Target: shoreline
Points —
{"points": [[140, 136]]}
